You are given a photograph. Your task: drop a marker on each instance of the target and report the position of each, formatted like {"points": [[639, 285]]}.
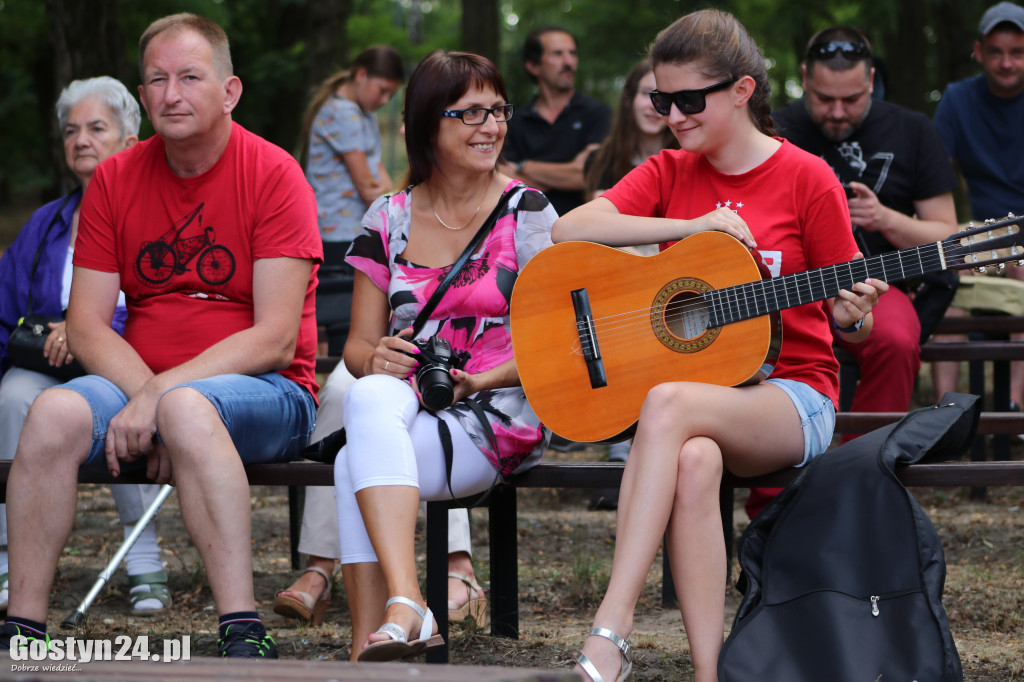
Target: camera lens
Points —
{"points": [[435, 386]]}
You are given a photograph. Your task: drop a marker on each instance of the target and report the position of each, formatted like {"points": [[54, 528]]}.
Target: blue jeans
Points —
{"points": [[268, 417]]}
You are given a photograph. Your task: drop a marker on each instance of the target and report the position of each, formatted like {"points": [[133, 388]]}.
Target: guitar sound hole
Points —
{"points": [[686, 315]]}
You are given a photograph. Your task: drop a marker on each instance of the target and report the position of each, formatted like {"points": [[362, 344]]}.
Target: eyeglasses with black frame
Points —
{"points": [[477, 116], [687, 101], [829, 50]]}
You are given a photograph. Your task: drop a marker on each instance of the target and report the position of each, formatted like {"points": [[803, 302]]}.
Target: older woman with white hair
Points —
{"points": [[98, 118]]}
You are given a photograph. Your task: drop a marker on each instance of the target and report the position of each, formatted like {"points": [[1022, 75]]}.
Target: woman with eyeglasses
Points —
{"points": [[456, 113], [733, 176]]}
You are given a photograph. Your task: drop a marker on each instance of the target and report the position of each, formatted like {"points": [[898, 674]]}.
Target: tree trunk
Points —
{"points": [[480, 26]]}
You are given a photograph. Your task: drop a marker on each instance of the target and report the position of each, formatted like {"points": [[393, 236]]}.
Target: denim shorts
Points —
{"points": [[817, 416], [268, 417]]}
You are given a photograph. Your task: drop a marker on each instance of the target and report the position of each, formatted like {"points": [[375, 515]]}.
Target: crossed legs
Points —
{"points": [[688, 433]]}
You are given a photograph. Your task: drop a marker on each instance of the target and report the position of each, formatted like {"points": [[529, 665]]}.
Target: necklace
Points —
{"points": [[444, 224], [471, 218]]}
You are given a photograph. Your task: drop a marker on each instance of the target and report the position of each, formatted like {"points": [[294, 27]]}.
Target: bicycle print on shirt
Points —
{"points": [[169, 255]]}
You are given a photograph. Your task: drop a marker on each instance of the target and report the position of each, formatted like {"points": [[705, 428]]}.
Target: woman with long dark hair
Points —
{"points": [[731, 175]]}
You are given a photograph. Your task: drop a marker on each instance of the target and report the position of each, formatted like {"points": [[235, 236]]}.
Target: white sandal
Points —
{"points": [[306, 608], [624, 651], [475, 608], [399, 645]]}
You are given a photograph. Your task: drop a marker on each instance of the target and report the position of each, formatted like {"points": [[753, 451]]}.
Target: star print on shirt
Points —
{"points": [[729, 204]]}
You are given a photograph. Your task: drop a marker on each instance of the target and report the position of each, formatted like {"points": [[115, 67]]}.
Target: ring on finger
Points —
{"points": [[60, 339], [386, 365]]}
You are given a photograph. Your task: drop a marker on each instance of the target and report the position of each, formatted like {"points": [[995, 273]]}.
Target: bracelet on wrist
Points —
{"points": [[855, 327]]}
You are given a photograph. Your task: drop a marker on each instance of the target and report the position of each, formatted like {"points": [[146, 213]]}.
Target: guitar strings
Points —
{"points": [[626, 323]]}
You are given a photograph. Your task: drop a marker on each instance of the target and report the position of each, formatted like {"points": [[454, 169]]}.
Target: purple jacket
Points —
{"points": [[16, 268]]}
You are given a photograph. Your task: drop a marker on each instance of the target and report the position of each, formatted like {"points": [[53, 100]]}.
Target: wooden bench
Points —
{"points": [[503, 512]]}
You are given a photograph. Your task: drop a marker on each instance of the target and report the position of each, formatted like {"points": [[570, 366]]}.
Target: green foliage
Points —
{"points": [[25, 162], [925, 44]]}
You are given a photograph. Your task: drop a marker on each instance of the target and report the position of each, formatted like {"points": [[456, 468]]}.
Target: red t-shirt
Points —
{"points": [[185, 247], [795, 209]]}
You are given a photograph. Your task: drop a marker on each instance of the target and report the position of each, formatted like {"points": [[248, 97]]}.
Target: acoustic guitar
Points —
{"points": [[595, 328]]}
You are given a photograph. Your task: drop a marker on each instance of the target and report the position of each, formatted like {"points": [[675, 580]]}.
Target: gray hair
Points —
{"points": [[111, 92]]}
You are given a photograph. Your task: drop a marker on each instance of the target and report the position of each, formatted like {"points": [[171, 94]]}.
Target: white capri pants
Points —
{"points": [[319, 534], [392, 441]]}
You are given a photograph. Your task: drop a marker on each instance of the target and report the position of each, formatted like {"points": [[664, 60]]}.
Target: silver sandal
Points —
{"points": [[399, 646], [624, 651]]}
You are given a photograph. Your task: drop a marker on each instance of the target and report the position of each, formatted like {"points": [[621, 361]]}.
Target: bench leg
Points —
{"points": [[976, 372], [296, 504], [1001, 403], [437, 574], [501, 520]]}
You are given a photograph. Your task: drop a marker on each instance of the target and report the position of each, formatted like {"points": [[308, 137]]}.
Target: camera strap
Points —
{"points": [[449, 451], [474, 243]]}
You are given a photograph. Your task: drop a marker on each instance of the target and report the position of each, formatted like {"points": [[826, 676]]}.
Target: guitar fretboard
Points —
{"points": [[753, 299]]}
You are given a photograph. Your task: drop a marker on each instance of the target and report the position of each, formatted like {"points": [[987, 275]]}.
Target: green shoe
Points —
{"points": [[9, 631], [149, 593], [246, 641]]}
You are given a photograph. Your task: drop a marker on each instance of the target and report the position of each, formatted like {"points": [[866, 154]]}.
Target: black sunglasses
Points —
{"points": [[850, 50], [687, 101], [477, 116]]}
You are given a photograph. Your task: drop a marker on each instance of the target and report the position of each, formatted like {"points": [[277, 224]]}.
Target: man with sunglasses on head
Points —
{"points": [[899, 187], [981, 122], [549, 139]]}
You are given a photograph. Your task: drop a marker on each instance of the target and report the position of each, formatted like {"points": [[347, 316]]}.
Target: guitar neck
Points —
{"points": [[753, 299]]}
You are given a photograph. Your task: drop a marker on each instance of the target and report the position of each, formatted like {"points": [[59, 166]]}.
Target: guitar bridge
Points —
{"points": [[588, 339]]}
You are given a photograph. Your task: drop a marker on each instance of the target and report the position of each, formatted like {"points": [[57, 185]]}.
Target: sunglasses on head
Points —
{"points": [[832, 48], [687, 101]]}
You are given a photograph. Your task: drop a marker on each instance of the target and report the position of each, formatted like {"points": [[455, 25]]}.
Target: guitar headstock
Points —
{"points": [[994, 242]]}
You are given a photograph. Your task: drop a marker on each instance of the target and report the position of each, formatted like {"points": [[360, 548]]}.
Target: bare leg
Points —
{"points": [[366, 593], [700, 576], [214, 494], [389, 513], [42, 496], [685, 432]]}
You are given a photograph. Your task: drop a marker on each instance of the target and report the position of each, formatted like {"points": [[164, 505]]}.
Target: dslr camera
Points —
{"points": [[433, 375]]}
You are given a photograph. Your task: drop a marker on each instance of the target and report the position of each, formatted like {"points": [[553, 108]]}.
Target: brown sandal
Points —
{"points": [[306, 608], [475, 608]]}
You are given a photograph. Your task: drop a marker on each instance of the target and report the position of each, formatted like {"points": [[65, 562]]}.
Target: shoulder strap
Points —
{"points": [[39, 251], [424, 315]]}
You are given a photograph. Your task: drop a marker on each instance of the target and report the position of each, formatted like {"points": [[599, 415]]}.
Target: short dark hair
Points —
{"points": [[533, 48], [207, 28], [438, 82], [838, 59]]}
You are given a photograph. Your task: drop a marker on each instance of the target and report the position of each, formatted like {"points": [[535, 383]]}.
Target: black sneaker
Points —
{"points": [[8, 631], [246, 641]]}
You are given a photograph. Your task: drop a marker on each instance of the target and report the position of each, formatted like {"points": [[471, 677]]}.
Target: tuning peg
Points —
{"points": [[1020, 262], [981, 270], [1001, 267]]}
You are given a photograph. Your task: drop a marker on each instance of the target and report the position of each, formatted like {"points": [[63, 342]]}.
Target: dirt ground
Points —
{"points": [[565, 553]]}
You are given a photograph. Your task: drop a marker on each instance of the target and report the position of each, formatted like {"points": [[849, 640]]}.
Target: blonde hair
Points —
{"points": [[208, 29]]}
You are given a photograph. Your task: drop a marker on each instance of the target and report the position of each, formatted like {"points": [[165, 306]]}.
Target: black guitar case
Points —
{"points": [[842, 573]]}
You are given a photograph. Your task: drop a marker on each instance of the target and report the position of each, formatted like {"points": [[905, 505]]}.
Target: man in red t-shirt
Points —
{"points": [[211, 232]]}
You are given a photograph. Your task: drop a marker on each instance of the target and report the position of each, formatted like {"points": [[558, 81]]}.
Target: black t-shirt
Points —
{"points": [[531, 138], [895, 151]]}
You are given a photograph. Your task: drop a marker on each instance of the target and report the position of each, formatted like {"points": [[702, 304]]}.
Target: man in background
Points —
{"points": [[981, 121], [549, 139]]}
